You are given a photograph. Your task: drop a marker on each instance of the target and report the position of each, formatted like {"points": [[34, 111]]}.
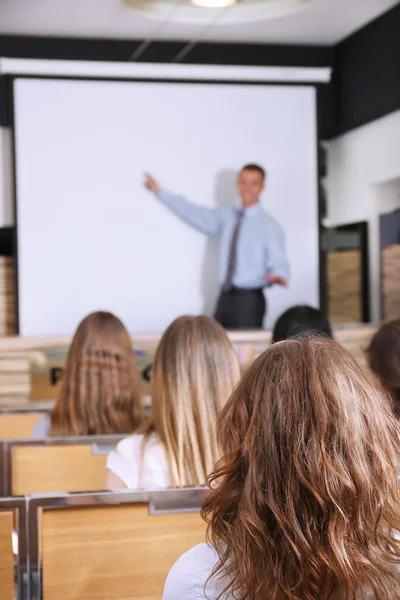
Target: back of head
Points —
{"points": [[100, 391], [195, 370], [384, 359], [306, 498], [301, 319]]}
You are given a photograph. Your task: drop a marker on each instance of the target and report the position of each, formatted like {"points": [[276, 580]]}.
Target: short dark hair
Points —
{"points": [[254, 167], [301, 319]]}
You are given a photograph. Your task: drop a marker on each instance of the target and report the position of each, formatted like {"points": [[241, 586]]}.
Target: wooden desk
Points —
{"points": [[14, 354]]}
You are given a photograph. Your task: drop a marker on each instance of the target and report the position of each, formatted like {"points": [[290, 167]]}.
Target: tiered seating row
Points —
{"points": [[15, 351], [99, 545]]}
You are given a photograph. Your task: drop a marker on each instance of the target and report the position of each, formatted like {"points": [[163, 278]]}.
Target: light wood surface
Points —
{"points": [[390, 267], [14, 426], [14, 365], [344, 286], [113, 552], [7, 296], [356, 340], [6, 555], [14, 354], [51, 468]]}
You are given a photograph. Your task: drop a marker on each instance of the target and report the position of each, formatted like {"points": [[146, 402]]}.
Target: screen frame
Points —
{"points": [[212, 81]]}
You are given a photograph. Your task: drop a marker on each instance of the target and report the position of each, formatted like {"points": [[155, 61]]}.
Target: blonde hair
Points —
{"points": [[306, 502], [195, 370], [100, 390]]}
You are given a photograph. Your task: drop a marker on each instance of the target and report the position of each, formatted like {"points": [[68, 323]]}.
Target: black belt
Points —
{"points": [[233, 288]]}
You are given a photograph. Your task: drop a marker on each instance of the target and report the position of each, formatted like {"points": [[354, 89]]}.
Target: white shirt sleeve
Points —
{"points": [[140, 467], [125, 460]]}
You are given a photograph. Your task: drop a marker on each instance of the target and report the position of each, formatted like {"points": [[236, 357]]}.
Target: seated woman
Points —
{"points": [[305, 503], [301, 319], [384, 360], [100, 390], [194, 372]]}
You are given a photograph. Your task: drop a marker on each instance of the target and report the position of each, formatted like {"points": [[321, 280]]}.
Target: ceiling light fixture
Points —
{"points": [[213, 3], [201, 12]]}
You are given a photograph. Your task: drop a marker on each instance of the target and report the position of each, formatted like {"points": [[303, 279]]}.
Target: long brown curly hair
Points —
{"points": [[305, 501], [100, 390]]}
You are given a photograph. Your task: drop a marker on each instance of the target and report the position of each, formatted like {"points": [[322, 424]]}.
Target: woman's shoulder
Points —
{"points": [[42, 427], [139, 461], [189, 577], [133, 445], [130, 443]]}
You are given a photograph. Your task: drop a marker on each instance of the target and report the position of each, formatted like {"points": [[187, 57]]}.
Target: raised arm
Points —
{"points": [[206, 220], [276, 263]]}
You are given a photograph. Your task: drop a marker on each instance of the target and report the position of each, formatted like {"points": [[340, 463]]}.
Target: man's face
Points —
{"points": [[250, 186]]}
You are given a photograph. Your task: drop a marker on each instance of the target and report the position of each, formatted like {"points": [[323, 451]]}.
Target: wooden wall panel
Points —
{"points": [[18, 425], [390, 277], [42, 469], [344, 286], [6, 555], [114, 552], [7, 296]]}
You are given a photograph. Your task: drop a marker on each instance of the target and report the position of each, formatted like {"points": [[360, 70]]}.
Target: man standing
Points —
{"points": [[252, 247]]}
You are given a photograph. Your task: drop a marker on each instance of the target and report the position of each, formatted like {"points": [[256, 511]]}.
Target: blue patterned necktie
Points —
{"points": [[233, 252]]}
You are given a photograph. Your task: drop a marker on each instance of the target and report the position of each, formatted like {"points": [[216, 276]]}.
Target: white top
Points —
{"points": [[138, 468], [42, 428], [188, 576]]}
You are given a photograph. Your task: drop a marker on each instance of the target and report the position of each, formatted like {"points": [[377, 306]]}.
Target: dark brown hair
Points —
{"points": [[305, 501], [384, 360], [100, 391], [254, 167]]}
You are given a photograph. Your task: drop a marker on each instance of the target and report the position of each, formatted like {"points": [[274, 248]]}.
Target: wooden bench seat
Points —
{"points": [[113, 546], [75, 464], [18, 424]]}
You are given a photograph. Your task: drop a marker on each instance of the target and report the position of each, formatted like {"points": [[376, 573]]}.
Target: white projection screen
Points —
{"points": [[91, 237]]}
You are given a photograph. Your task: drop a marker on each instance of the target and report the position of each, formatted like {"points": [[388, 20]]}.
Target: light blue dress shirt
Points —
{"points": [[260, 246]]}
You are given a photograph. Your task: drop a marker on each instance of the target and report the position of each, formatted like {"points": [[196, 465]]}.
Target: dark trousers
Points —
{"points": [[241, 308]]}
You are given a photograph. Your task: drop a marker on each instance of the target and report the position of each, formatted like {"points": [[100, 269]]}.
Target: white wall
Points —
{"points": [[363, 182]]}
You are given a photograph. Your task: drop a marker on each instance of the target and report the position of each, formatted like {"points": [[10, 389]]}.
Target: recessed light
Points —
{"points": [[213, 3]]}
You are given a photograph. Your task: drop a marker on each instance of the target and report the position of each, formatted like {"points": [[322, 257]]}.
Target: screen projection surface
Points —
{"points": [[91, 237]]}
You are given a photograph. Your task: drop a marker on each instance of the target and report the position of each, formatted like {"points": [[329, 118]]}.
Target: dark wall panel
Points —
{"points": [[15, 46], [6, 241], [367, 73], [166, 52], [366, 81], [206, 53]]}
